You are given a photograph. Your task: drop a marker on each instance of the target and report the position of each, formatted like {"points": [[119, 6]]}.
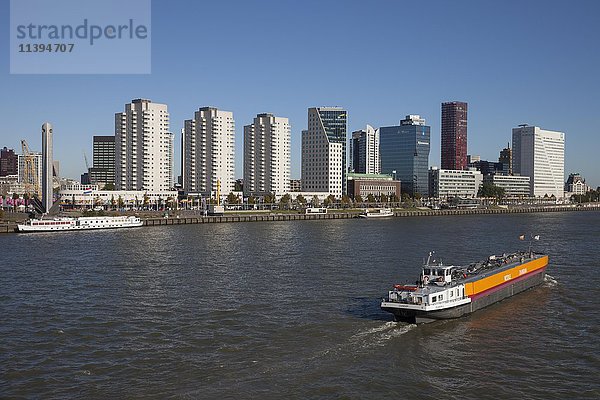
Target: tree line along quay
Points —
{"points": [[183, 217]]}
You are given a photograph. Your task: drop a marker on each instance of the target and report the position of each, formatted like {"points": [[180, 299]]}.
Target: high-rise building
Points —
{"points": [[30, 172], [143, 147], [405, 154], [103, 170], [540, 155], [506, 160], [47, 167], [208, 152], [9, 162], [324, 151], [267, 156], [364, 151], [454, 135]]}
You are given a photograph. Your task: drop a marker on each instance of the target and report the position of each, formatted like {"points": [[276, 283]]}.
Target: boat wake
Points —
{"points": [[380, 335], [367, 339], [550, 281]]}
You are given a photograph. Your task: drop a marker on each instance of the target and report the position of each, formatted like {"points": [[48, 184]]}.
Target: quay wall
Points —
{"points": [[347, 215], [9, 227]]}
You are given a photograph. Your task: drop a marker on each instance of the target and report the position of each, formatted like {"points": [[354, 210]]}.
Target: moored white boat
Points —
{"points": [[377, 213], [81, 223]]}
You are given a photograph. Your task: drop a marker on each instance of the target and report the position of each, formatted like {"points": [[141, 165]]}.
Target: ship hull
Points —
{"points": [[29, 229], [78, 224], [478, 301]]}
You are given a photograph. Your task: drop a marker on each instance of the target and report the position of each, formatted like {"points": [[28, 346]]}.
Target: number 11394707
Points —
{"points": [[46, 47]]}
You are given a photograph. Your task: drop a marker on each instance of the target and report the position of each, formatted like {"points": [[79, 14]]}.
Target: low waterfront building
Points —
{"points": [[576, 185], [375, 184], [513, 185], [10, 184], [444, 183], [89, 196]]}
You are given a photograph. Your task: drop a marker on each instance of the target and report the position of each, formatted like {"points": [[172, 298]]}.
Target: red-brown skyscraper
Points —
{"points": [[454, 135]]}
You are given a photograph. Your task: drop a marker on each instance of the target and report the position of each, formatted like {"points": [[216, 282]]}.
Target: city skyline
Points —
{"points": [[502, 73]]}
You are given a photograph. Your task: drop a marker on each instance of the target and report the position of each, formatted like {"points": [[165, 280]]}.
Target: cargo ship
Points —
{"points": [[449, 291], [76, 224]]}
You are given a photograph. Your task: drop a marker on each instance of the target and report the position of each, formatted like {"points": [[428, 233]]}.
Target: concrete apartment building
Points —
{"points": [[324, 151], [267, 156], [143, 147], [208, 152], [540, 155], [364, 151]]}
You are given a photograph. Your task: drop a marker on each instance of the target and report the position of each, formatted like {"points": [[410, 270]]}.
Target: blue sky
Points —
{"points": [[514, 62]]}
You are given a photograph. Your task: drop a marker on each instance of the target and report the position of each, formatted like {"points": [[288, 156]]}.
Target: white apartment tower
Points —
{"points": [[540, 155], [324, 151], [208, 152], [364, 151], [143, 147], [47, 166], [267, 156]]}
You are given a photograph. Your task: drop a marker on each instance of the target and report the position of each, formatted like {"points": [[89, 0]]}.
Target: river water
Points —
{"points": [[291, 310]]}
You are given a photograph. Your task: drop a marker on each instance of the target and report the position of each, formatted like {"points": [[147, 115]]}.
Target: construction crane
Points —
{"points": [[87, 164], [31, 184]]}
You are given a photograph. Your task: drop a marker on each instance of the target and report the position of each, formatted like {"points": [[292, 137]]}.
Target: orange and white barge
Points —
{"points": [[448, 291]]}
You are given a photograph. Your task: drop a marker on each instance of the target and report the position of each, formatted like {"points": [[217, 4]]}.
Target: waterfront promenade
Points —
{"points": [[9, 226]]}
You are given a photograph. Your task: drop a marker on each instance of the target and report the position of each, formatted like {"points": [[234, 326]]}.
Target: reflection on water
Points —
{"points": [[291, 309]]}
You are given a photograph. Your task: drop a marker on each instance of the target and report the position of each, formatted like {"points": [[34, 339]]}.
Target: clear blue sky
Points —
{"points": [[514, 62]]}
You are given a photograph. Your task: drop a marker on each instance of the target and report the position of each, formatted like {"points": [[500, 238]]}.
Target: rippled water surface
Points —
{"points": [[291, 310]]}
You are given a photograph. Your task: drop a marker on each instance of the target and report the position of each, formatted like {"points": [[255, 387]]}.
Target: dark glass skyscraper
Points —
{"points": [[405, 149], [454, 135], [103, 171]]}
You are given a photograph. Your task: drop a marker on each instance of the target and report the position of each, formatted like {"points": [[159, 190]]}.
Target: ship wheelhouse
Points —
{"points": [[438, 274]]}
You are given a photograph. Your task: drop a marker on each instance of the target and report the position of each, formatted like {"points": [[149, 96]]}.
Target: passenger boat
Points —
{"points": [[377, 213], [448, 291], [81, 223]]}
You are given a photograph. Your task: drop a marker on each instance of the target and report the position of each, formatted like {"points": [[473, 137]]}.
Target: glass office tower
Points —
{"points": [[405, 149]]}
